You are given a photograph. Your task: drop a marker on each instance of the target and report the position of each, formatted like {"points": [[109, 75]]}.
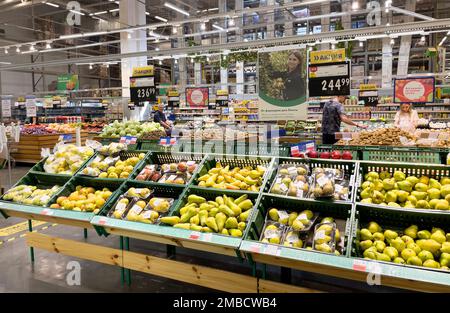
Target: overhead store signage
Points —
{"points": [[327, 56], [30, 105], [129, 140], [67, 82], [414, 90], [144, 71], [48, 102], [222, 98], [329, 79], [282, 84], [368, 87], [369, 97], [142, 89], [6, 107], [197, 97]]}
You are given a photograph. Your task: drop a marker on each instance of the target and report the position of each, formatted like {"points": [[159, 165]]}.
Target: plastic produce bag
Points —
{"points": [[323, 185]]}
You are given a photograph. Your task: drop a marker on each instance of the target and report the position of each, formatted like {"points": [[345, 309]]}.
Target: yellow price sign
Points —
{"points": [[327, 56], [143, 71], [368, 87]]}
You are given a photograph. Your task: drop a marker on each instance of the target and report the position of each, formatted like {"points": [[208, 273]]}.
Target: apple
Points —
{"points": [[347, 155], [313, 154], [325, 155], [336, 155]]}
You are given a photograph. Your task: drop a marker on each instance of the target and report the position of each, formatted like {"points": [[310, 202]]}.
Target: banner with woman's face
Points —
{"points": [[282, 84]]}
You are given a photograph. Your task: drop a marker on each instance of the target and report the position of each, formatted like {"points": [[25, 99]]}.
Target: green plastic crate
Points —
{"points": [[340, 211], [355, 151], [262, 149], [153, 145], [233, 161], [106, 141], [39, 168], [432, 171], [167, 157], [407, 154], [348, 167], [397, 221]]}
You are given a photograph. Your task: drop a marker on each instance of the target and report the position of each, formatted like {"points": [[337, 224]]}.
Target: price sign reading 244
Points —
{"points": [[332, 84]]}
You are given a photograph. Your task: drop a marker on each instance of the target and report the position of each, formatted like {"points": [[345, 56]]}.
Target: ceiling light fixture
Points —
{"points": [[77, 12], [156, 49], [101, 12], [114, 10], [175, 8], [51, 4], [147, 13], [231, 22], [90, 66], [32, 48], [18, 49], [162, 19], [6, 51], [160, 62], [218, 27], [176, 61], [203, 26], [174, 30], [48, 45], [355, 5], [361, 44]]}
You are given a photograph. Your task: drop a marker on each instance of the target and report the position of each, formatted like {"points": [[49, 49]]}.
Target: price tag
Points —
{"points": [[255, 248], [207, 237], [65, 138], [6, 107], [195, 235], [102, 221], [47, 212], [360, 266], [30, 106], [272, 250], [129, 140]]}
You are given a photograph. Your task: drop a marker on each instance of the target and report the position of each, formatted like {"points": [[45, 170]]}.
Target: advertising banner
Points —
{"points": [[197, 97], [67, 82], [414, 90], [282, 84]]}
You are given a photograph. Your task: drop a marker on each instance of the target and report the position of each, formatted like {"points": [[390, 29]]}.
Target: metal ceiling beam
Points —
{"points": [[343, 35]]}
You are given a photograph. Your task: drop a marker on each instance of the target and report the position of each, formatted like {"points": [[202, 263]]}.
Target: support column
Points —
{"points": [[223, 39], [288, 24], [386, 65], [271, 20], [405, 42], [325, 22], [132, 12]]}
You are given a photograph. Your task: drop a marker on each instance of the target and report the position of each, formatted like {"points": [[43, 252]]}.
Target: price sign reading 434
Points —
{"points": [[332, 79]]}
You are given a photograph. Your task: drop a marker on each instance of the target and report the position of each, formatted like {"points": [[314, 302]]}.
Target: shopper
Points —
{"points": [[333, 114], [294, 83], [160, 118], [406, 119]]}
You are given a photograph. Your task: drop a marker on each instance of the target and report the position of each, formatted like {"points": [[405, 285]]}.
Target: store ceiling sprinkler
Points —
{"points": [[6, 50], [90, 66], [18, 49]]}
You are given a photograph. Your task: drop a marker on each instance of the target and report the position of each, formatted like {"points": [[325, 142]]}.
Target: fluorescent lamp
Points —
{"points": [[48, 45], [5, 63], [101, 12], [51, 4], [202, 26], [175, 8], [213, 9], [18, 49], [77, 12], [156, 49], [162, 19], [6, 50], [147, 13], [355, 5], [94, 34], [114, 10], [32, 48], [217, 27], [231, 22], [361, 44], [174, 30], [90, 66]]}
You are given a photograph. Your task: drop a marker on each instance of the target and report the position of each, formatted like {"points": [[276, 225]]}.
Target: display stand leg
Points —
{"points": [[122, 270], [171, 251], [85, 233], [286, 275], [30, 229], [127, 247], [264, 271]]}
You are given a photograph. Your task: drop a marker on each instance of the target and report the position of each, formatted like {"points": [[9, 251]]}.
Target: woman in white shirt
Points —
{"points": [[406, 119]]}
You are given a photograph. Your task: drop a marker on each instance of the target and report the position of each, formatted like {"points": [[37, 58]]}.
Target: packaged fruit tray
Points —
{"points": [[31, 196], [160, 166], [160, 199], [108, 140], [246, 174], [404, 187], [120, 166], [39, 168], [297, 219], [288, 178], [389, 237]]}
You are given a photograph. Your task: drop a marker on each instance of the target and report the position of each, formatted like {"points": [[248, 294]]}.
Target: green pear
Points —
{"points": [[423, 204], [424, 234], [431, 264], [327, 220], [445, 181], [378, 236], [442, 205], [445, 190], [434, 193], [444, 268], [402, 195], [378, 185], [407, 253], [365, 234], [413, 246], [411, 231], [380, 245], [367, 185], [385, 175], [411, 198], [391, 196], [448, 237], [408, 204], [424, 180], [366, 193], [433, 203], [377, 197], [419, 195], [425, 255], [372, 176], [445, 259], [366, 244], [421, 187], [438, 237], [405, 185], [399, 260], [374, 227], [414, 260], [434, 184], [435, 229], [399, 176], [383, 257], [367, 201], [398, 244], [393, 204], [429, 245], [407, 239], [273, 213], [231, 222], [413, 180], [370, 254], [391, 252], [390, 234]]}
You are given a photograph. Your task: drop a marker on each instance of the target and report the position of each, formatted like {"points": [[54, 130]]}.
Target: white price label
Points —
{"points": [[47, 212], [6, 108], [338, 188], [319, 235], [292, 170], [322, 181], [272, 250], [283, 215], [207, 237], [30, 106]]}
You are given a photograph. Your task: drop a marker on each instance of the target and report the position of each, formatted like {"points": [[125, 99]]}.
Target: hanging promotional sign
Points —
{"points": [[282, 84], [327, 56], [6, 107], [331, 79], [142, 89], [30, 105], [414, 90], [144, 71], [197, 97], [48, 102], [67, 82], [369, 97], [222, 98]]}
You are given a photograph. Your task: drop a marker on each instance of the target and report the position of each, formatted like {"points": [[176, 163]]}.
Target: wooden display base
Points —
{"points": [[30, 146], [180, 271]]}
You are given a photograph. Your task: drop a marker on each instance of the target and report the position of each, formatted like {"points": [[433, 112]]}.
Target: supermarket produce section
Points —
{"points": [[340, 218]]}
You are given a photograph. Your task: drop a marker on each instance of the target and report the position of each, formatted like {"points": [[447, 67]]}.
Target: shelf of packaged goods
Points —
{"points": [[190, 108], [203, 113], [416, 105], [418, 111]]}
